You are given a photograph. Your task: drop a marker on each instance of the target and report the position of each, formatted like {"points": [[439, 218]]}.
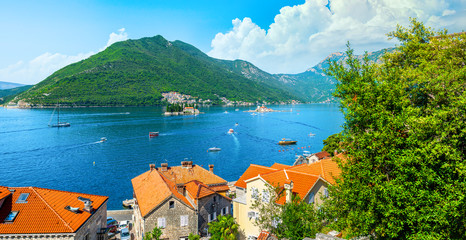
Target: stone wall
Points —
{"points": [[207, 206], [173, 229]]}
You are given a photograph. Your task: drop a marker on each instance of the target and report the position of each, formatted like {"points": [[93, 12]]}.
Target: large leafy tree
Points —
{"points": [[405, 136], [225, 228], [298, 220], [154, 234]]}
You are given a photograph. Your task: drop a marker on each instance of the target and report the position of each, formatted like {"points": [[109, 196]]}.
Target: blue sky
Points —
{"points": [[283, 36]]}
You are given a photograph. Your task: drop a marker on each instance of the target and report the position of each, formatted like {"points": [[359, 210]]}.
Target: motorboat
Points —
{"points": [[311, 134], [231, 131], [153, 134], [103, 139], [285, 141], [214, 149]]}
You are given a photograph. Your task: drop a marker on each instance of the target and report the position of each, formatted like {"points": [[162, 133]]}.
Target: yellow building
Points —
{"points": [[308, 181]]}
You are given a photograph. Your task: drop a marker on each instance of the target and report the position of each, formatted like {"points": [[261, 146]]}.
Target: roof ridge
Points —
{"points": [[257, 165], [322, 168], [64, 191], [298, 172], [53, 210], [286, 174]]}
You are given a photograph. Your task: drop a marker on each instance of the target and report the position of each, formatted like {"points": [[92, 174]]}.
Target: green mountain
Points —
{"points": [[8, 94], [136, 72]]}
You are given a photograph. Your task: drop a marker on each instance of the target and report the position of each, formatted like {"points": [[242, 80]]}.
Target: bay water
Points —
{"points": [[74, 159]]}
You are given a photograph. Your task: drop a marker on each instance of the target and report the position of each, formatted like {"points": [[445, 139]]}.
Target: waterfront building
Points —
{"points": [[179, 199], [308, 181], [40, 213]]}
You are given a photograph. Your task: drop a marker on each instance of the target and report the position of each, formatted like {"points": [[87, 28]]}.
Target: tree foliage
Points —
{"points": [[194, 237], [298, 220], [154, 234], [405, 136], [225, 228], [268, 210], [332, 144]]}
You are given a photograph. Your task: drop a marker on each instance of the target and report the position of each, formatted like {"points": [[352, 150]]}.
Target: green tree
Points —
{"points": [[154, 234], [298, 220], [332, 143], [265, 203], [405, 136], [194, 236], [225, 228]]}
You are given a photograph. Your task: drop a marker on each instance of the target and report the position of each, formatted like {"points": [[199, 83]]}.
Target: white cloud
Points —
{"points": [[39, 68], [302, 35]]}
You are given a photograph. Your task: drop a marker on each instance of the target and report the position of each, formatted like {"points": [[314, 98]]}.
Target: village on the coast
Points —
{"points": [[180, 200]]}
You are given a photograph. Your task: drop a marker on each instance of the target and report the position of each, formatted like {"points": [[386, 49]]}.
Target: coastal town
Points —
{"points": [[180, 201]]}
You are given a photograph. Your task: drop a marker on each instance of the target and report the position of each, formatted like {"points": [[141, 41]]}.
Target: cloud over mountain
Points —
{"points": [[37, 69], [302, 35]]}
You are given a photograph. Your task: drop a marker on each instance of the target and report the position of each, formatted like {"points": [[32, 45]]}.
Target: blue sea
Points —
{"points": [[74, 159]]}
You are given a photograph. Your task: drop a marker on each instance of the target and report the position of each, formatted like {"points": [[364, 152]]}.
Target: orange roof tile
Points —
{"points": [[220, 188], [174, 190], [252, 171], [327, 168], [150, 190], [198, 190], [279, 166], [302, 182], [44, 211], [4, 192], [263, 235], [181, 175], [322, 155]]}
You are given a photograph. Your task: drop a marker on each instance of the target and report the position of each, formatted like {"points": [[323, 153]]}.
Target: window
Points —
{"points": [[254, 193], [212, 216], [225, 211], [161, 223], [215, 198], [326, 192], [311, 198], [22, 198], [171, 204], [11, 216], [265, 196], [184, 220]]}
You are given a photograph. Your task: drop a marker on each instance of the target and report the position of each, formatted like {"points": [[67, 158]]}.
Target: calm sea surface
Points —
{"points": [[73, 159]]}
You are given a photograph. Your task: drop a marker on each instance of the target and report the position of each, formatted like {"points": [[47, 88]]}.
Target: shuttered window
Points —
{"points": [[184, 220], [161, 223]]}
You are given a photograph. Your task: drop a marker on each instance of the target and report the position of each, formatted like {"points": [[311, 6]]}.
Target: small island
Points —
{"points": [[264, 109], [178, 109]]}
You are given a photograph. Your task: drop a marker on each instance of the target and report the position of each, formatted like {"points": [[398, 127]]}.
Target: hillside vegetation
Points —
{"points": [[136, 72]]}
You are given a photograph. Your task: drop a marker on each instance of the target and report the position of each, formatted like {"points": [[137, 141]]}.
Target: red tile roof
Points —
{"points": [[155, 186], [4, 192], [44, 211], [253, 171], [322, 155], [279, 166], [182, 175], [327, 168]]}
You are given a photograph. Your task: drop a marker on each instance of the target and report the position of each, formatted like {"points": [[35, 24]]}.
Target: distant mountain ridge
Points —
{"points": [[137, 72], [8, 85]]}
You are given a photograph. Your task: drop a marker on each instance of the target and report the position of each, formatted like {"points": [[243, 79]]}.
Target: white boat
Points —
{"points": [[58, 124], [214, 149], [103, 139], [311, 134], [231, 131]]}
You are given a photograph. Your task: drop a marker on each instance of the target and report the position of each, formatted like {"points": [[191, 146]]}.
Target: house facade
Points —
{"points": [[308, 181], [180, 200], [39, 213]]}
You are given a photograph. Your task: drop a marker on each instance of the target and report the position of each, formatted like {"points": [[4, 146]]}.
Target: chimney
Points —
{"points": [[164, 167], [211, 168], [190, 164], [152, 166], [288, 191], [87, 204]]}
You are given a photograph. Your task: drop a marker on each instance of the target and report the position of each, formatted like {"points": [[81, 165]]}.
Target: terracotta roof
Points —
{"points": [[327, 168], [279, 166], [155, 186], [302, 182], [323, 154], [263, 235], [150, 190], [181, 175], [44, 211], [220, 188], [252, 171], [4, 192], [198, 190]]}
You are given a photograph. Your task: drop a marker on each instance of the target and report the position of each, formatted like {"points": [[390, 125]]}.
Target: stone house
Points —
{"points": [[179, 199], [39, 213], [308, 181]]}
